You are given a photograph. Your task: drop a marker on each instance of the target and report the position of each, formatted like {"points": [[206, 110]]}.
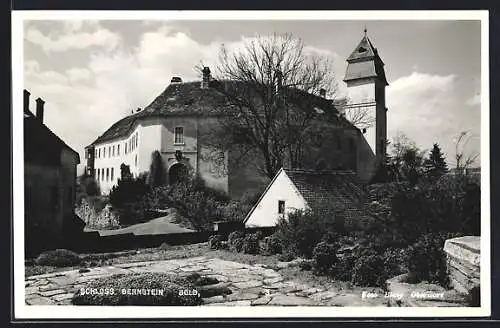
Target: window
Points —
{"points": [[95, 153], [135, 160], [179, 135], [99, 153], [98, 174], [125, 148], [136, 139], [104, 152], [118, 150], [113, 150], [109, 151], [351, 145], [107, 174], [281, 207], [112, 173]]}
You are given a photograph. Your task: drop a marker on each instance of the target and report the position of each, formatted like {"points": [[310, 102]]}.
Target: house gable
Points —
{"points": [[265, 213]]}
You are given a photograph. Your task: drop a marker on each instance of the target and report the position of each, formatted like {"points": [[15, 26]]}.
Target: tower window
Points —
{"points": [[107, 174], [179, 135], [99, 156], [281, 207], [98, 174], [118, 150], [112, 173], [104, 152]]}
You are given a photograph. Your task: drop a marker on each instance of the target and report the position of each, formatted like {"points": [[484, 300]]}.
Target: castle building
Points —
{"points": [[179, 121]]}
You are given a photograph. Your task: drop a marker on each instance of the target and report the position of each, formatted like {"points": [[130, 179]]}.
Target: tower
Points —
{"points": [[366, 82]]}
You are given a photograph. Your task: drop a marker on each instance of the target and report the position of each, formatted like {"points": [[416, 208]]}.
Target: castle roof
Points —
{"points": [[190, 99], [365, 62]]}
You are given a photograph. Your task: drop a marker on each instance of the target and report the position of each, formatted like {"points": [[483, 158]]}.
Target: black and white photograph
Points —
{"points": [[267, 164]]}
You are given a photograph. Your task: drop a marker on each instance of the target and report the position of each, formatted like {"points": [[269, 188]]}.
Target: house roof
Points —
{"points": [[339, 187], [178, 99], [365, 62], [41, 145], [189, 99]]}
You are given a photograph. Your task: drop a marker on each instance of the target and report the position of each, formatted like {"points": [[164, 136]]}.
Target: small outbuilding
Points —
{"points": [[292, 190]]}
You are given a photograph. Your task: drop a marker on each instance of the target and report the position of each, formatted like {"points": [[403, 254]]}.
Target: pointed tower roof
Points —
{"points": [[365, 62]]}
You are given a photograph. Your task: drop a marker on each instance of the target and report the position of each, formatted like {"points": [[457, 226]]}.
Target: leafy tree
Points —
{"points": [[88, 185], [435, 165], [406, 162], [157, 174]]}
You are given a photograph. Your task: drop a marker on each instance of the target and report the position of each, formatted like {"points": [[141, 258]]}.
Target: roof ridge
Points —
{"points": [[326, 172]]}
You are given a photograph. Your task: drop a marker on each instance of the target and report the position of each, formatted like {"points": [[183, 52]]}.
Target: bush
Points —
{"points": [[251, 244], [395, 261], [368, 269], [344, 267], [452, 204], [271, 245], [201, 205], [236, 211], [427, 260], [300, 233], [325, 257], [171, 286], [235, 241], [215, 242], [128, 199], [58, 258]]}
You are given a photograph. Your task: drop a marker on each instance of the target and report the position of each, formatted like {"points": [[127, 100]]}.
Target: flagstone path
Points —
{"points": [[251, 285]]}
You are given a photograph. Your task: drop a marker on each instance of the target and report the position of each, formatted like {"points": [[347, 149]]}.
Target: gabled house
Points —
{"points": [[49, 183], [292, 190]]}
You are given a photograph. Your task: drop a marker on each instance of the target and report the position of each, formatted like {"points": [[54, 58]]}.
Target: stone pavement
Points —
{"points": [[251, 285]]}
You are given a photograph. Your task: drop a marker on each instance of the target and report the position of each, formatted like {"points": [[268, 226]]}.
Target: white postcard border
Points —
{"points": [[23, 311]]}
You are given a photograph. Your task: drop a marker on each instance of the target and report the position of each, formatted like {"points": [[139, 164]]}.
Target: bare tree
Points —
{"points": [[271, 85], [462, 160], [361, 116]]}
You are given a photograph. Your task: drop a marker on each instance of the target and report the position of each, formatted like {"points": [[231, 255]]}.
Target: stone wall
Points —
{"points": [[97, 218], [463, 260]]}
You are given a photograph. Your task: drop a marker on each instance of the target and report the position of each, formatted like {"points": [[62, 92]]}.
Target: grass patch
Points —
{"points": [[58, 258]]}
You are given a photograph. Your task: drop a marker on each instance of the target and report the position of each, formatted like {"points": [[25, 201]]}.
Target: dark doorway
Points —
{"points": [[177, 173]]}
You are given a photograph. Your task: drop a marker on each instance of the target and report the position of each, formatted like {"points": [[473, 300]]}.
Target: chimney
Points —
{"points": [[39, 109], [26, 100], [322, 93], [176, 79], [206, 77]]}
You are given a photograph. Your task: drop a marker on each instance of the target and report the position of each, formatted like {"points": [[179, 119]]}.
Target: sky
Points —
{"points": [[92, 73]]}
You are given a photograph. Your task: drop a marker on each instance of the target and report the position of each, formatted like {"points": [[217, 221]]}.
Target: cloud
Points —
{"points": [[73, 35], [474, 100], [77, 74], [82, 102], [428, 109]]}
